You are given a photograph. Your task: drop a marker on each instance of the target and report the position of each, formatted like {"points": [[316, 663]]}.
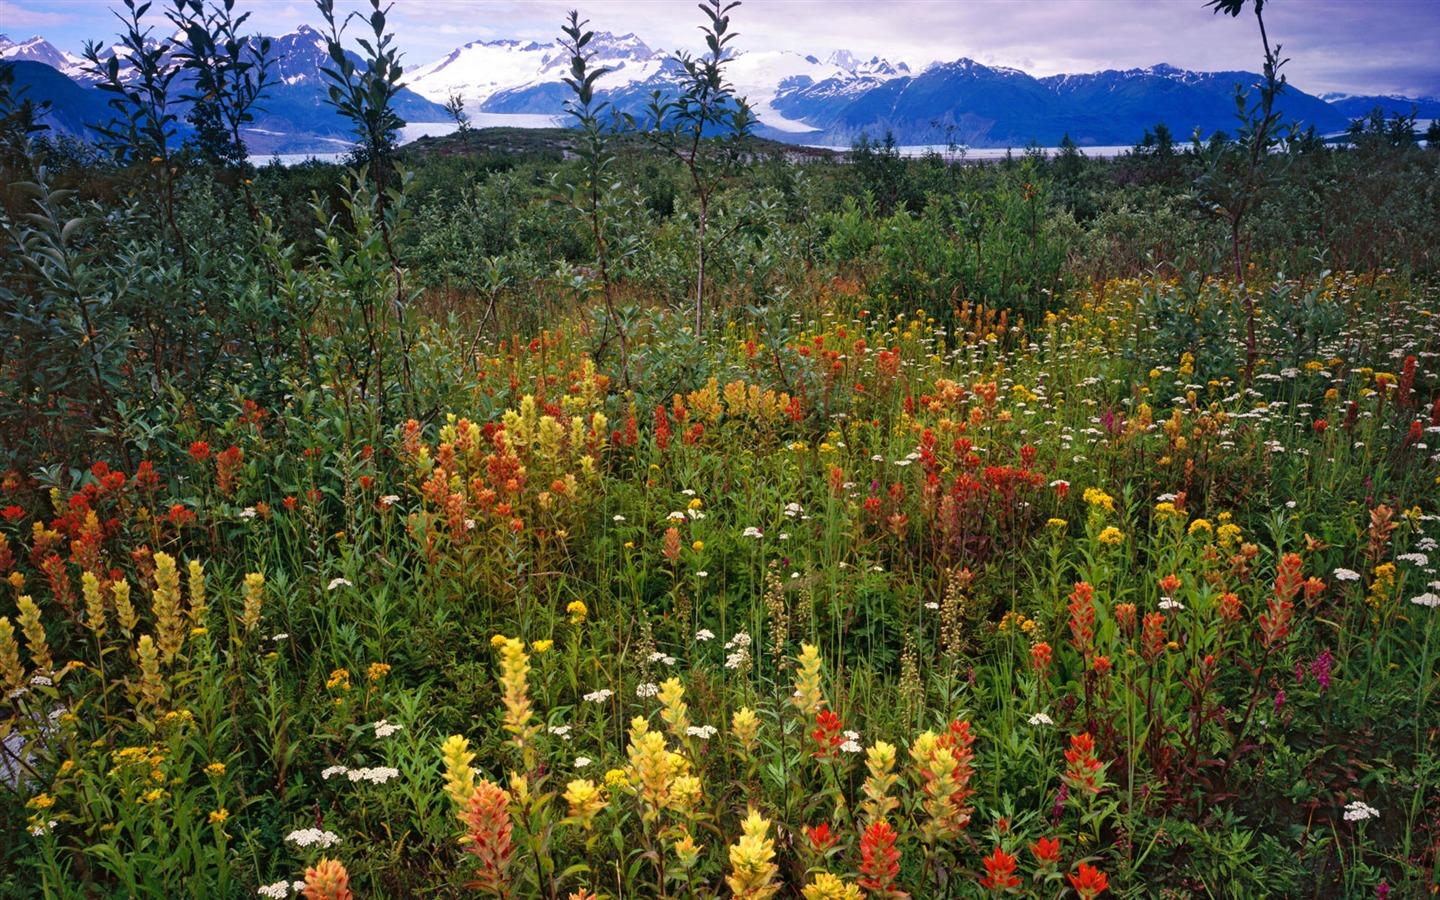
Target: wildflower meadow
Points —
{"points": [[996, 537]]}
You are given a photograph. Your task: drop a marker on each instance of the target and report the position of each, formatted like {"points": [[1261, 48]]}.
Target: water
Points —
{"points": [[964, 154]]}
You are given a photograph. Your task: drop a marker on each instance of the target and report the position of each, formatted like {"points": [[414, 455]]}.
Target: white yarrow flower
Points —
{"points": [[704, 634], [310, 837], [1346, 575], [582, 761], [1041, 719], [329, 773], [646, 689], [1167, 603], [384, 729], [1428, 599], [1359, 811], [338, 582], [599, 696]]}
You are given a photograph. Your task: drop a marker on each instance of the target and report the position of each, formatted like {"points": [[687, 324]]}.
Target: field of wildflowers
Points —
{"points": [[697, 523], [869, 608]]}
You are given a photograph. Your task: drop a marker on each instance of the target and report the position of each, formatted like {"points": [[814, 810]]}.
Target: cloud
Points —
{"points": [[15, 16]]}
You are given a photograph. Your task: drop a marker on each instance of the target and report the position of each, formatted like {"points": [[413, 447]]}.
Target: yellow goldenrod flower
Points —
{"points": [[1111, 535], [1057, 524], [215, 769], [542, 645], [496, 640], [377, 671], [1198, 526], [339, 680], [40, 802], [616, 779], [218, 816], [577, 611], [698, 546], [1098, 498]]}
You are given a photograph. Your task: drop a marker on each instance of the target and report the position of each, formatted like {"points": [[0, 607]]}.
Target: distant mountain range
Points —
{"points": [[796, 97], [295, 118]]}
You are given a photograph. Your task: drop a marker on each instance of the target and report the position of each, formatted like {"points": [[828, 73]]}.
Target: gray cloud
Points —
{"points": [[1359, 46]]}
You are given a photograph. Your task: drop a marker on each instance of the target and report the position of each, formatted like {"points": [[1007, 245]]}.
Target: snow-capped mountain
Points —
{"points": [[479, 70], [526, 77], [826, 100], [39, 50]]}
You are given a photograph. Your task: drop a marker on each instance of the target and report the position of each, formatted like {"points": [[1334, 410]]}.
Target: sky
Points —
{"points": [[1347, 46]]}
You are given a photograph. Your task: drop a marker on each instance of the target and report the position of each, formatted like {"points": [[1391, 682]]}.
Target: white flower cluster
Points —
{"points": [[339, 582], [1428, 599], [1346, 575], [703, 732], [1359, 811], [310, 837], [561, 731], [740, 647], [752, 531], [1167, 603], [280, 889], [384, 729], [646, 689], [1041, 719], [704, 634], [582, 761], [599, 696], [377, 775], [389, 500], [1419, 559], [659, 657]]}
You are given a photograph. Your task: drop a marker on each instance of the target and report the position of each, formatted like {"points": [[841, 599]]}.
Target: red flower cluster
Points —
{"points": [[999, 871], [880, 862], [828, 734], [1083, 771]]}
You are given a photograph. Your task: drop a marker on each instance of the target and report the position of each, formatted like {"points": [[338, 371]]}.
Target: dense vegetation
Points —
{"points": [[411, 529]]}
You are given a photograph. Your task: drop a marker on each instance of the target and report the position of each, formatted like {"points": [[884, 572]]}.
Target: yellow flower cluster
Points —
{"points": [[1111, 536], [807, 697], [752, 861], [1098, 498]]}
